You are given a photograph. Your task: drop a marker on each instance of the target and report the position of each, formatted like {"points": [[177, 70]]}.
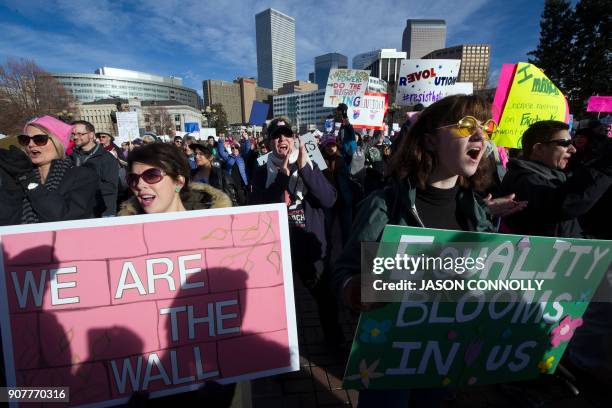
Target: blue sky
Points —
{"points": [[202, 39]]}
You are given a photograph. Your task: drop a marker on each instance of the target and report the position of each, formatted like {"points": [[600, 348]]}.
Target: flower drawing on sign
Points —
{"points": [[472, 351], [546, 365], [565, 330], [374, 332], [366, 373]]}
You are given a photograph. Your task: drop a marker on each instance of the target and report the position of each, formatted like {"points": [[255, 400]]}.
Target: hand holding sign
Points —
{"points": [[302, 159], [312, 150]]}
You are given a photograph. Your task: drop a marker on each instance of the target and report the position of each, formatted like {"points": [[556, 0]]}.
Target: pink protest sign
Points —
{"points": [[503, 89], [600, 104], [159, 303]]}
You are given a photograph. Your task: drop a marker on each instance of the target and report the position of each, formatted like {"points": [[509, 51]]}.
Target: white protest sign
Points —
{"points": [[426, 81], [370, 113], [345, 86], [377, 85], [127, 126], [312, 148]]}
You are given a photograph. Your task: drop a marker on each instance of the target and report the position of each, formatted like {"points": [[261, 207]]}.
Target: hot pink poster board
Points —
{"points": [[179, 299], [503, 88], [600, 104]]}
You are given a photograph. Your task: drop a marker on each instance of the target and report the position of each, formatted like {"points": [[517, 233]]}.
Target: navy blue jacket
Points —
{"points": [[320, 195]]}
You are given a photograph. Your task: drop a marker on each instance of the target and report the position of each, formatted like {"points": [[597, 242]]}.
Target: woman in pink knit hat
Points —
{"points": [[53, 190]]}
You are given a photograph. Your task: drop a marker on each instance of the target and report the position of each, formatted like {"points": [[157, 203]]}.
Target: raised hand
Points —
{"points": [[504, 206]]}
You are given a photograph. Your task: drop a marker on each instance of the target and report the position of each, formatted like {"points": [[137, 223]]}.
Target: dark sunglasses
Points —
{"points": [[561, 142], [279, 134], [150, 176], [39, 140]]}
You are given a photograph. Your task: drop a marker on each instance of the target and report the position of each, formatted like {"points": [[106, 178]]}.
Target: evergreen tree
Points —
{"points": [[574, 49], [556, 37], [593, 67], [219, 119]]}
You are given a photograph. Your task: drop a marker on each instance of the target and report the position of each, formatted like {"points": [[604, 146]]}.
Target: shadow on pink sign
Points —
{"points": [[156, 325]]}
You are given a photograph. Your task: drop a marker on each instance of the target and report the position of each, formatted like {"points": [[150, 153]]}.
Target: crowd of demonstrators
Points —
{"points": [[209, 172], [440, 171]]}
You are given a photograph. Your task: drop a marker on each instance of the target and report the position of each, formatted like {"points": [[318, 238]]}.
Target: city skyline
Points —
{"points": [[169, 38]]}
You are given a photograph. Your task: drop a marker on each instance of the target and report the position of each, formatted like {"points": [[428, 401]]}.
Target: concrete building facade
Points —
{"points": [[475, 59], [383, 64], [423, 36], [297, 86], [108, 82], [275, 38], [236, 97], [324, 63], [99, 113], [303, 109]]}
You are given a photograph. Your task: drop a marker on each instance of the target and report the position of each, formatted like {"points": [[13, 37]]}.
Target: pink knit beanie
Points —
{"points": [[56, 127]]}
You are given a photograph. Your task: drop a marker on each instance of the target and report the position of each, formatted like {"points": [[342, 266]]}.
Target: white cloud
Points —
{"points": [[214, 38]]}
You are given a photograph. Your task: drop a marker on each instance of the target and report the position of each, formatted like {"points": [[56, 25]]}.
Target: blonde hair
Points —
{"points": [[59, 147]]}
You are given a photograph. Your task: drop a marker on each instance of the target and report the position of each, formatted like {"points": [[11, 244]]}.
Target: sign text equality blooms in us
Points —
{"points": [[479, 265]]}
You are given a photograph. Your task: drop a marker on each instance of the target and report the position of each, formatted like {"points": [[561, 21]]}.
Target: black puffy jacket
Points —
{"points": [[555, 200]]}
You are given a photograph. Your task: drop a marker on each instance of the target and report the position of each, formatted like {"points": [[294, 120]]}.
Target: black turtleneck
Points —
{"points": [[437, 207]]}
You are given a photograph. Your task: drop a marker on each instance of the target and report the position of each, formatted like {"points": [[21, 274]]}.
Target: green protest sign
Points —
{"points": [[506, 315]]}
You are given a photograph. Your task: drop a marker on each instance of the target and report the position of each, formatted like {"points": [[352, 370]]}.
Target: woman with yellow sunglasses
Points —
{"points": [[431, 184]]}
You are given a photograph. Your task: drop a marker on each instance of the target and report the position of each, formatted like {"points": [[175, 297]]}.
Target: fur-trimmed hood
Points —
{"points": [[202, 196]]}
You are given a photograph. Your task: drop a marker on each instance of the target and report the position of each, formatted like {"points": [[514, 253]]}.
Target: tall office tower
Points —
{"points": [[474, 62], [324, 63], [423, 36], [275, 37]]}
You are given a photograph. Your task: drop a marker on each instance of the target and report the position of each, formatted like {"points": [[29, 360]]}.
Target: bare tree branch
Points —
{"points": [[27, 91]]}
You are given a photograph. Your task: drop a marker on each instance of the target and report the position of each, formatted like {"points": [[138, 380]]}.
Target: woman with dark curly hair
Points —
{"points": [[158, 175]]}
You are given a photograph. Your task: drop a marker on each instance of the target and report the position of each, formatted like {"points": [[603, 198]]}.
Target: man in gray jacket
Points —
{"points": [[88, 152]]}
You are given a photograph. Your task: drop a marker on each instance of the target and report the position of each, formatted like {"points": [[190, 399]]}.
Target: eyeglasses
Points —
{"points": [[468, 125], [39, 140], [560, 142], [80, 134], [150, 176]]}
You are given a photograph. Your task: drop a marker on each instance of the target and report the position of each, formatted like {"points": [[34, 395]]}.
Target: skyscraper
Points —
{"points": [[423, 36], [324, 63], [474, 62], [275, 37]]}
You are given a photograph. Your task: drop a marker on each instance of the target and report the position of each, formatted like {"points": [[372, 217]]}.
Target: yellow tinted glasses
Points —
{"points": [[468, 125]]}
